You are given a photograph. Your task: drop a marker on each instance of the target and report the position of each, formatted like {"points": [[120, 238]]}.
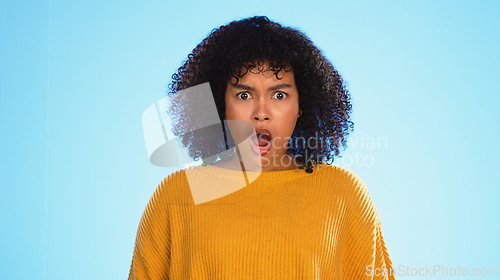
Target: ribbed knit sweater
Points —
{"points": [[282, 225]]}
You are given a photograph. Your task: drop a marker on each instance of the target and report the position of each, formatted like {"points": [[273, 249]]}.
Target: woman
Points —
{"points": [[297, 216]]}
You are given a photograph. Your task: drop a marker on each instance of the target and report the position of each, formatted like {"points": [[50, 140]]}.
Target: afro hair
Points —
{"points": [[225, 55]]}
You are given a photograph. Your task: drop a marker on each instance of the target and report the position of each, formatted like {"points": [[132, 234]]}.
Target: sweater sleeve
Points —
{"points": [[366, 255], [382, 259], [151, 258]]}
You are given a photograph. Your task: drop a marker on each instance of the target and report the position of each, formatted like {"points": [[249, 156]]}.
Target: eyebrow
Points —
{"points": [[246, 87]]}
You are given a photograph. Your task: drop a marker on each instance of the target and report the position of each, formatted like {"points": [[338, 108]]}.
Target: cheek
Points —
{"points": [[231, 111], [289, 117], [291, 127], [287, 124]]}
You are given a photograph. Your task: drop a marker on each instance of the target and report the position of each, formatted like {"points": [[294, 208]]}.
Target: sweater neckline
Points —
{"points": [[281, 175]]}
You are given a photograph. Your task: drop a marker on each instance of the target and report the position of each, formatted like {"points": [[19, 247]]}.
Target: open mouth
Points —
{"points": [[261, 143]]}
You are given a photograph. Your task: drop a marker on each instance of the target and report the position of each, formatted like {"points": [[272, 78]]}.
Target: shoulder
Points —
{"points": [[173, 178], [341, 175], [351, 185], [174, 188]]}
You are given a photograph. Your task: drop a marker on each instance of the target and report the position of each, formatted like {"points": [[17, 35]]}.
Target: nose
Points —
{"points": [[261, 112]]}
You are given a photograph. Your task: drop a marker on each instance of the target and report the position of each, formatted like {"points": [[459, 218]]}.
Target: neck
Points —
{"points": [[286, 162]]}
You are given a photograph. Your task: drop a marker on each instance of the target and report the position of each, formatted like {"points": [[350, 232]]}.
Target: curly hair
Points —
{"points": [[226, 54]]}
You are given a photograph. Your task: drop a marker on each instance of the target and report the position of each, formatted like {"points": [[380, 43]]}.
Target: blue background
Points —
{"points": [[77, 76]]}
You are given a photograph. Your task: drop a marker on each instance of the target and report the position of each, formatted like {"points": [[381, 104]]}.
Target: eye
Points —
{"points": [[280, 95], [243, 95]]}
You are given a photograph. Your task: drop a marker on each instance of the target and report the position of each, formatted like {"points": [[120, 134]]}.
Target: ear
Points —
{"points": [[300, 113]]}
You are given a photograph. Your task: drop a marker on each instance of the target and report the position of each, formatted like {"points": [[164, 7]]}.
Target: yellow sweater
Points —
{"points": [[283, 225]]}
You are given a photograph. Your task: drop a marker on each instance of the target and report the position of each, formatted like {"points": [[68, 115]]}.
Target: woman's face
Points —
{"points": [[271, 105]]}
